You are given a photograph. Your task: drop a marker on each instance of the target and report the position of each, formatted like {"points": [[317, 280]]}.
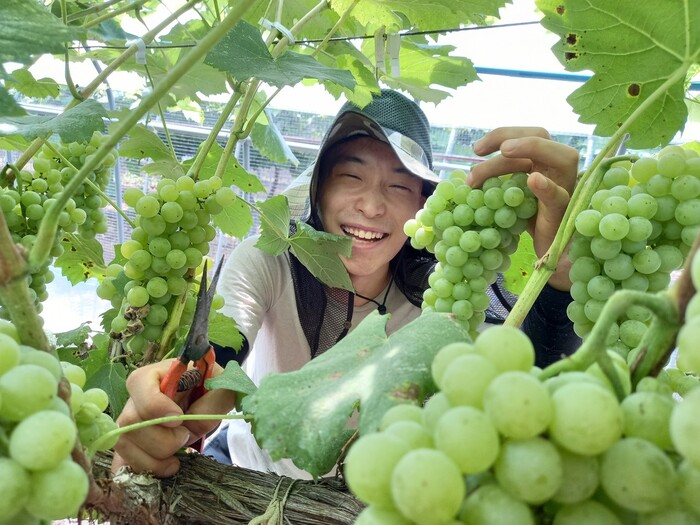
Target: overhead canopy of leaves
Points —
{"points": [[640, 54], [436, 14], [28, 29], [243, 53], [74, 125], [367, 370]]}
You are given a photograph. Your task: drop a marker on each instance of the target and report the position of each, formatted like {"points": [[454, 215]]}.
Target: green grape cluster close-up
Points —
{"points": [[637, 230], [472, 232], [498, 444], [25, 202], [163, 255], [38, 430]]}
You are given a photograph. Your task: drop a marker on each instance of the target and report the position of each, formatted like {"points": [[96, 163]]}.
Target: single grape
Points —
{"points": [[507, 348], [685, 427], [42, 440], [529, 469], [518, 404], [369, 465], [587, 418], [468, 437], [427, 487], [637, 475], [59, 492], [491, 504]]}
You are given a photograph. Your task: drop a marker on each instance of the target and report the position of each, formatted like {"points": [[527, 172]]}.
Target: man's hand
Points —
{"points": [[552, 168], [152, 449]]}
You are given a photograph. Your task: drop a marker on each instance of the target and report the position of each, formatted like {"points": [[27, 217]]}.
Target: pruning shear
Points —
{"points": [[196, 349]]}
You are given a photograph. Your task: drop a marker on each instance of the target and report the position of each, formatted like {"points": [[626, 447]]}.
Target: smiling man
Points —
{"points": [[373, 173]]}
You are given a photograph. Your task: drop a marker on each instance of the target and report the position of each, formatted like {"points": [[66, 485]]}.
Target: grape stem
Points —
{"points": [[174, 322], [95, 445], [92, 185], [594, 348], [14, 291]]}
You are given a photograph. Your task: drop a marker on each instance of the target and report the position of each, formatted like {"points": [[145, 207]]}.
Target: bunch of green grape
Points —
{"points": [[163, 256], [637, 230], [39, 480], [472, 233], [26, 201], [496, 444]]}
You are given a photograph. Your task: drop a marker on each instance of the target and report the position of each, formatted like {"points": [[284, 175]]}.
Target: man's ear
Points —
{"points": [[422, 200]]}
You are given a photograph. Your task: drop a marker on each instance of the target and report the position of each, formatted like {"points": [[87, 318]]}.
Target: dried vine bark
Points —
{"points": [[207, 492]]}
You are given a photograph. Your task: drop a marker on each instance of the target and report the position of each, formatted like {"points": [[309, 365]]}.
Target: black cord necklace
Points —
{"points": [[381, 307]]}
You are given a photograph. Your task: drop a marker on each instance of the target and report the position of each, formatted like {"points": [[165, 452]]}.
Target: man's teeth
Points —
{"points": [[363, 234]]}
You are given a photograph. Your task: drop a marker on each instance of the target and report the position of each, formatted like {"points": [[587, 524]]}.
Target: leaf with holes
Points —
{"points": [[366, 369], [640, 60]]}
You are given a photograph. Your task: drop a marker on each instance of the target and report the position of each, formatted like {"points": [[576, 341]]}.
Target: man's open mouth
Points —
{"points": [[363, 235]]}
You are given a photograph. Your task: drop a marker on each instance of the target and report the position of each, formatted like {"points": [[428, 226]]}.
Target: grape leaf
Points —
{"points": [[303, 414], [232, 378], [274, 225], [640, 60], [142, 143], [167, 168], [27, 29], [318, 251], [13, 142], [111, 378], [223, 331], [269, 141], [425, 65], [243, 53], [98, 355], [76, 124], [234, 174], [433, 14], [9, 107], [235, 220], [23, 81], [73, 337], [522, 264], [81, 259]]}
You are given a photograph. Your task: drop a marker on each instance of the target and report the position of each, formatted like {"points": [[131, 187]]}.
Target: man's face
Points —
{"points": [[368, 195]]}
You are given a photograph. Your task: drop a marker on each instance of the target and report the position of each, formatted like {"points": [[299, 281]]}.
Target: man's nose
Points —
{"points": [[371, 202]]}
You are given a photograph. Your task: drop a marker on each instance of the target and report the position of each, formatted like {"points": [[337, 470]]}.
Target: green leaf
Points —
{"points": [[318, 252], [424, 66], [223, 331], [232, 378], [425, 15], [243, 53], [74, 337], [522, 265], [269, 141], [235, 220], [23, 81], [76, 124], [98, 355], [632, 51], [168, 168], [8, 107], [274, 225], [144, 144], [111, 378], [303, 415], [14, 143], [234, 174], [27, 29], [81, 259]]}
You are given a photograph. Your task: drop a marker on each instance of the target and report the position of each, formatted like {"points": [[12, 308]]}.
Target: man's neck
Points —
{"points": [[368, 286]]}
